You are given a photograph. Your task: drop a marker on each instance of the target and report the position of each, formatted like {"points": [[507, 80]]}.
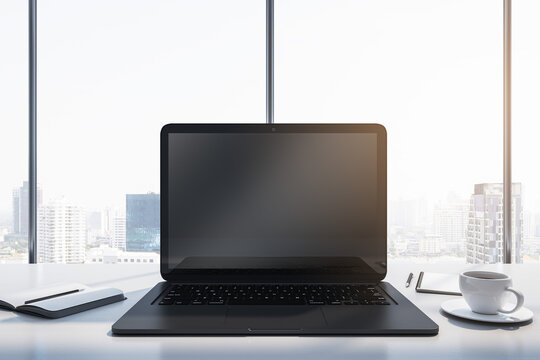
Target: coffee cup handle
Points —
{"points": [[519, 303]]}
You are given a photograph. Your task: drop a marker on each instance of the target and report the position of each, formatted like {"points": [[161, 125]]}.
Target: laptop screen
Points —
{"points": [[297, 202]]}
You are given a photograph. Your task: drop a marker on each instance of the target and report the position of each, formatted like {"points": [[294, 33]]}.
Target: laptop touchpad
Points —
{"points": [[275, 318]]}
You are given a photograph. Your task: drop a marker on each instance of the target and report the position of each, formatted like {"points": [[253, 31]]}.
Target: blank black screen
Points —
{"points": [[272, 200]]}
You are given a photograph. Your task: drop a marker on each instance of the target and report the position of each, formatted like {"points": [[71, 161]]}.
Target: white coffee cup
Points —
{"points": [[484, 291]]}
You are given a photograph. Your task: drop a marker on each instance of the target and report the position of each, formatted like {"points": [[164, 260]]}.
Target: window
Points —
{"points": [[112, 73], [14, 131], [525, 124], [431, 72], [106, 87]]}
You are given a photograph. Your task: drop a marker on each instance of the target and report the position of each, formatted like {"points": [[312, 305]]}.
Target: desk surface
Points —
{"points": [[88, 335]]}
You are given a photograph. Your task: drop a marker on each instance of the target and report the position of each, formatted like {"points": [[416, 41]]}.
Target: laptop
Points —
{"points": [[273, 229]]}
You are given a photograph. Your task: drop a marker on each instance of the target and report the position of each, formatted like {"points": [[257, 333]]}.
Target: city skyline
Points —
{"points": [[416, 228]]}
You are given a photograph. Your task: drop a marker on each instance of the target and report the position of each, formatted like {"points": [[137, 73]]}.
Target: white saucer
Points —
{"points": [[459, 308]]}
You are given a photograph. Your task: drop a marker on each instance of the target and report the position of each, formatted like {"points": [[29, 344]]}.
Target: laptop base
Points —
{"points": [[399, 318]]}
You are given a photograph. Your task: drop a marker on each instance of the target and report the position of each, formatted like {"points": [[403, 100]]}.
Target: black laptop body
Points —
{"points": [[273, 229]]}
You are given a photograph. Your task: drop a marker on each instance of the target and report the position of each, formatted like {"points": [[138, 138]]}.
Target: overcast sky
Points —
{"points": [[112, 72]]}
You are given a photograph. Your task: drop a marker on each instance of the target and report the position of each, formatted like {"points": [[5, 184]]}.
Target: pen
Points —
{"points": [[52, 296], [409, 280]]}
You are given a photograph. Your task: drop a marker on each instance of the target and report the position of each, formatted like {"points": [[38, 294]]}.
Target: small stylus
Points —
{"points": [[408, 283]]}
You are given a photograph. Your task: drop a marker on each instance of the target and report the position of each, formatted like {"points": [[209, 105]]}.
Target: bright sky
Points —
{"points": [[112, 72]]}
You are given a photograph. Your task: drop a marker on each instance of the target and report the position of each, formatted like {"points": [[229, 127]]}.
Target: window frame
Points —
{"points": [[32, 117]]}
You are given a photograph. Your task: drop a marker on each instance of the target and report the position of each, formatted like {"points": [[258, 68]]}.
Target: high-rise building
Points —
{"points": [[485, 227], [16, 210], [61, 233], [20, 207], [93, 220], [118, 238], [142, 222], [450, 219], [107, 217], [93, 227]]}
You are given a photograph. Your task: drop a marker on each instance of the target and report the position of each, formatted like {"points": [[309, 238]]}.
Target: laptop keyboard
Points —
{"points": [[274, 295]]}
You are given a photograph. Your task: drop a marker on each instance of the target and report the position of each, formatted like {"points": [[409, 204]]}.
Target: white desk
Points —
{"points": [[88, 335]]}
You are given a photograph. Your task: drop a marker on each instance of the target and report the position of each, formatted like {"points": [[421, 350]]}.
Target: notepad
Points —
{"points": [[60, 300], [438, 283]]}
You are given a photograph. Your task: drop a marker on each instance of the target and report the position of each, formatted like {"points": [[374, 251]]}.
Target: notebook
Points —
{"points": [[438, 283], [59, 300]]}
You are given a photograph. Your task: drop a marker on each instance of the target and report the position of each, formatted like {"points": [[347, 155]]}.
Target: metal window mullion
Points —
{"points": [[507, 167], [32, 125], [269, 61]]}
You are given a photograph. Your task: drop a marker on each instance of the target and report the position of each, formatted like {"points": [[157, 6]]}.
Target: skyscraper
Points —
{"points": [[485, 227], [142, 222], [450, 219], [61, 233], [20, 207], [16, 210], [118, 238]]}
